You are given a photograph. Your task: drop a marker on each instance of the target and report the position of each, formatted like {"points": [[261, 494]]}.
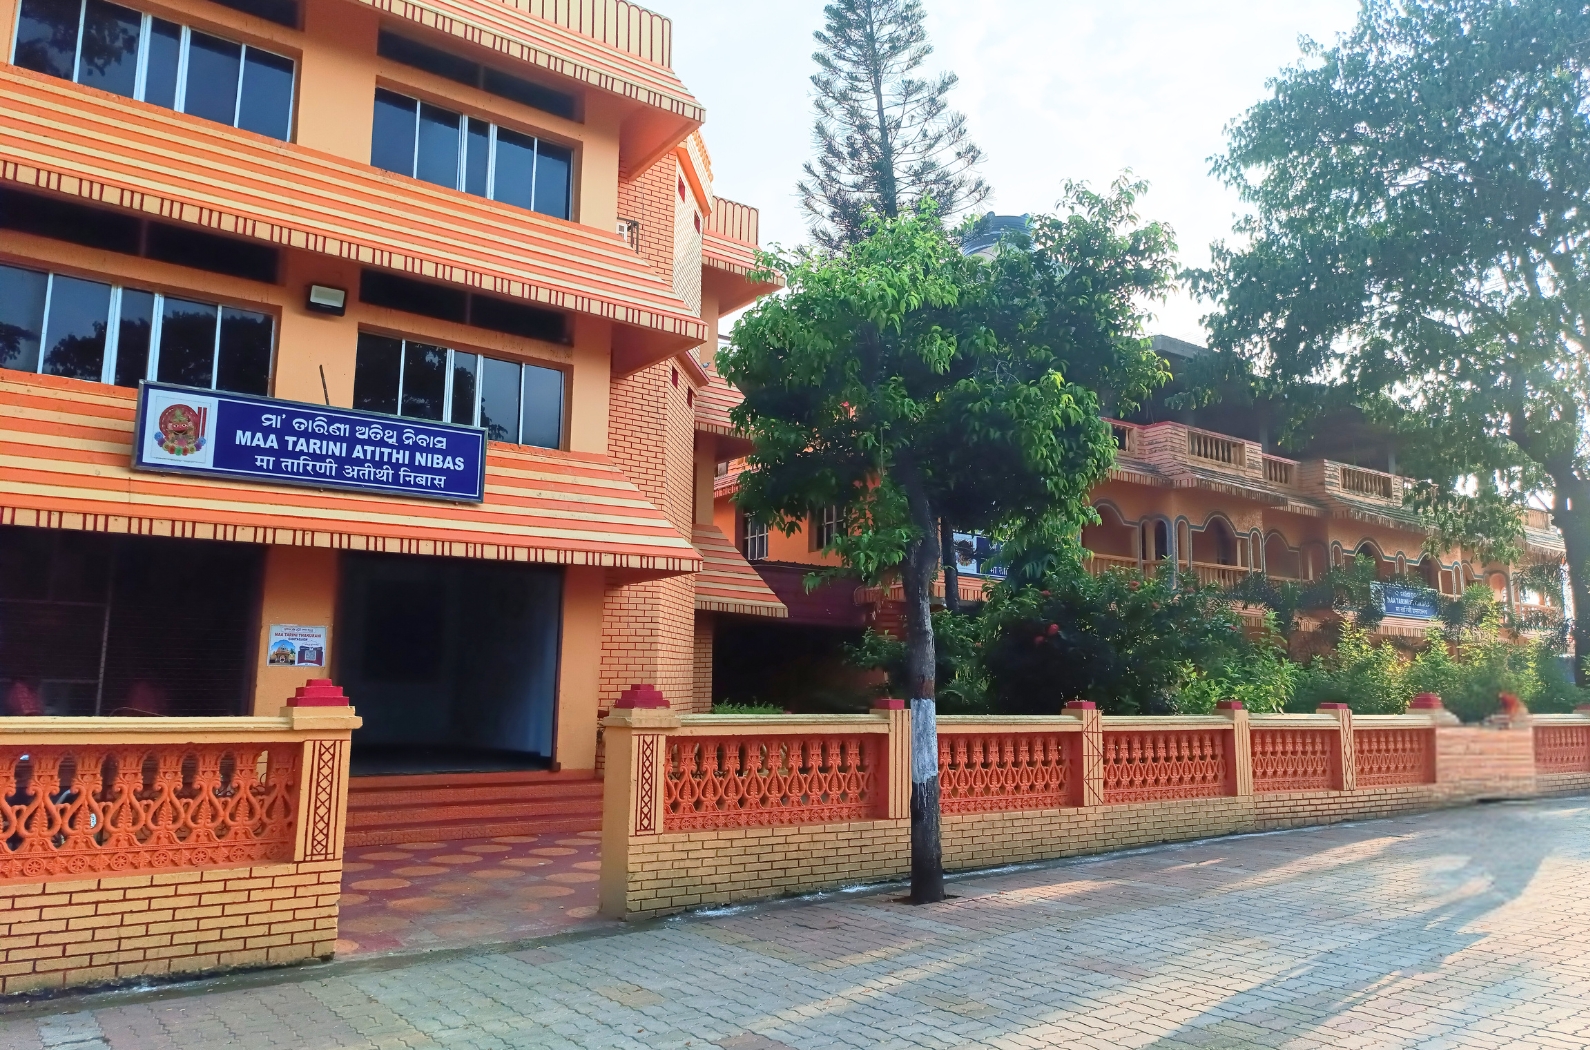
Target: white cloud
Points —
{"points": [[1051, 90]]}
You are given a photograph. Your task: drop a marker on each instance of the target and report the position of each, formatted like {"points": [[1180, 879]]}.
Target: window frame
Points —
{"points": [[756, 538], [827, 525], [450, 371], [180, 98], [461, 166], [107, 366]]}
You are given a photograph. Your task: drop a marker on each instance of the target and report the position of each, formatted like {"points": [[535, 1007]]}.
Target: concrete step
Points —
{"points": [[461, 832], [445, 807]]}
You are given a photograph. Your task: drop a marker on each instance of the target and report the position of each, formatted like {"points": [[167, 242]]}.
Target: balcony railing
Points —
{"points": [[1372, 483], [1280, 471], [1219, 575], [1216, 449], [1099, 564]]}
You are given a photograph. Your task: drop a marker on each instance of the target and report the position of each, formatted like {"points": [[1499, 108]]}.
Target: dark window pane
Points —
{"points": [[160, 76], [526, 93], [66, 221], [132, 340], [479, 152], [542, 422], [187, 343], [375, 373], [499, 401], [213, 66], [209, 251], [244, 366], [110, 47], [553, 167], [267, 103], [282, 12], [79, 311], [47, 36], [424, 380], [515, 175], [392, 138], [438, 156], [415, 297], [532, 322], [464, 389], [21, 317], [432, 60]]}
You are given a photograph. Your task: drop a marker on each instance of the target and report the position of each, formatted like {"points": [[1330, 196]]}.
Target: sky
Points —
{"points": [[1051, 89]]}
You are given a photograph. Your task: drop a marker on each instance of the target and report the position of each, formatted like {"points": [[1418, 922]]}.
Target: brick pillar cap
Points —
{"points": [[888, 705], [1229, 705], [641, 696], [319, 692], [1080, 705], [1333, 707], [1426, 702]]}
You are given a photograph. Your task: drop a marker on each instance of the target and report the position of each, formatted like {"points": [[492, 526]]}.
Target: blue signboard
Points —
{"points": [[1415, 603], [192, 431]]}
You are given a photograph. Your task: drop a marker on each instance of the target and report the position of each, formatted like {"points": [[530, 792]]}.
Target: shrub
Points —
{"points": [[962, 685], [1130, 644], [747, 709]]}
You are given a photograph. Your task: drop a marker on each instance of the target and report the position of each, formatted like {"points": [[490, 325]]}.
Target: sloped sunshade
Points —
{"points": [[66, 449]]}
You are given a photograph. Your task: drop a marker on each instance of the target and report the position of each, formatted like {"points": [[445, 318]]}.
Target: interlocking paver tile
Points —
{"points": [[1466, 928]]}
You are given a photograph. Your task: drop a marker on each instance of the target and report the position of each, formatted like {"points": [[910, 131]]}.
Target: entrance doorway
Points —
{"points": [[452, 663]]}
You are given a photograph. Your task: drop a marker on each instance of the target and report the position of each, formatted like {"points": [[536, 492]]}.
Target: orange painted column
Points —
{"points": [[8, 23], [300, 589], [316, 352], [579, 665]]}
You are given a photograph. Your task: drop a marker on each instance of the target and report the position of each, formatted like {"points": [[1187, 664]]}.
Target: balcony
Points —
{"points": [[60, 137]]}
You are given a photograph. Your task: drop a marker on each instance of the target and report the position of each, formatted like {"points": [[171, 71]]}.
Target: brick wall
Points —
{"points": [[702, 703], [99, 930], [649, 199], [649, 627]]}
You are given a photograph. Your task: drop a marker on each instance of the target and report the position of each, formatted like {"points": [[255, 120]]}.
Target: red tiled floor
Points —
{"points": [[424, 895]]}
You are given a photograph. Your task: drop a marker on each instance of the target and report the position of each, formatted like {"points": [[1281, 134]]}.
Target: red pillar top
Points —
{"points": [[640, 696], [319, 692]]}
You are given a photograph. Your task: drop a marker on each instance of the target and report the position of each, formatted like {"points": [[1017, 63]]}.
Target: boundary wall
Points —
{"points": [[713, 809], [141, 847]]}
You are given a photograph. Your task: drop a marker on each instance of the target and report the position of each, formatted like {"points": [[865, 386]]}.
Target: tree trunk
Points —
{"points": [[952, 569], [1571, 514], [921, 566]]}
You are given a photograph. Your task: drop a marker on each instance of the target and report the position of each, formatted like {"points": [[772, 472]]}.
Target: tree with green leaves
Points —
{"points": [[885, 135], [1419, 237], [901, 382]]}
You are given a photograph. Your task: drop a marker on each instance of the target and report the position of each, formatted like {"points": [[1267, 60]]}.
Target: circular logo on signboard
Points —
{"points": [[181, 430]]}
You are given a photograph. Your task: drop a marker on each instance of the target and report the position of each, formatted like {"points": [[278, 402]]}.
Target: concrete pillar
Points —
{"points": [[1344, 770], [1088, 787], [1240, 764]]}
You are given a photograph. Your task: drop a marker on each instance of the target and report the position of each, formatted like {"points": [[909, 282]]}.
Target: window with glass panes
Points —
{"points": [[449, 149], [517, 403], [755, 547], [59, 325], [139, 56], [827, 526]]}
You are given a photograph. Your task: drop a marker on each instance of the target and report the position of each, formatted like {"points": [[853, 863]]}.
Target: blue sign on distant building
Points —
{"points": [[1415, 603], [193, 431]]}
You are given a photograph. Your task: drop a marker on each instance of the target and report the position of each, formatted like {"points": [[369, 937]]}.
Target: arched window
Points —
{"points": [[1281, 561], [1220, 546], [1112, 537], [1156, 541]]}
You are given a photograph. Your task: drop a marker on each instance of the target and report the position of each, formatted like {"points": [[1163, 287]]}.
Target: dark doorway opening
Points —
{"points": [[799, 667], [126, 625], [452, 663]]}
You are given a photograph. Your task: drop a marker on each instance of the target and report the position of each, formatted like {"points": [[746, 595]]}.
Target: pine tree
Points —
{"points": [[886, 138]]}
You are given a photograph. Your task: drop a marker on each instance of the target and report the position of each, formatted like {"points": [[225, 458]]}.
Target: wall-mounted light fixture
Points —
{"points": [[324, 299]]}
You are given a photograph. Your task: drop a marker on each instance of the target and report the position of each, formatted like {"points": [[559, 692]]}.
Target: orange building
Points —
{"points": [[360, 338], [1209, 491]]}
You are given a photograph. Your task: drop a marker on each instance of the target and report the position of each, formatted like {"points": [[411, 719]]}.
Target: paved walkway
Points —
{"points": [[421, 896], [1468, 928]]}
